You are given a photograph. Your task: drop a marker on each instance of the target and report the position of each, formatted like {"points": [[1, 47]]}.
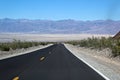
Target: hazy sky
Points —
{"points": [[60, 9]]}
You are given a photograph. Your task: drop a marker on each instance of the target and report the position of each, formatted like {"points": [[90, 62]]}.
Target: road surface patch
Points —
{"points": [[49, 52]]}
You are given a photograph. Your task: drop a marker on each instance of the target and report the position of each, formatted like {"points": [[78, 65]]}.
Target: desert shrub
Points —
{"points": [[100, 43], [4, 47], [116, 48], [17, 44]]}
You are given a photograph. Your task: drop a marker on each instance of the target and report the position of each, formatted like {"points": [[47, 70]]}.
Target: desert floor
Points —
{"points": [[8, 37]]}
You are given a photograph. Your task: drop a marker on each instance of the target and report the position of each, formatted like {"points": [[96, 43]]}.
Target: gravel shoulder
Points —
{"points": [[100, 60], [17, 52]]}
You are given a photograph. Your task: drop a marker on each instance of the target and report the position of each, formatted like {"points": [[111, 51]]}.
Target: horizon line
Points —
{"points": [[61, 19]]}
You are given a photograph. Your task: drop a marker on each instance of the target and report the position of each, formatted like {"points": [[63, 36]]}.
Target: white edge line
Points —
{"points": [[91, 66], [95, 69], [22, 53]]}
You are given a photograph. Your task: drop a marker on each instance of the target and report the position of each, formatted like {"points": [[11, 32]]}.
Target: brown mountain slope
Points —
{"points": [[117, 36]]}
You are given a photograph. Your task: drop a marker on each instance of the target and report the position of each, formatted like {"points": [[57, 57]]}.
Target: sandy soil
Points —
{"points": [[4, 37], [100, 60]]}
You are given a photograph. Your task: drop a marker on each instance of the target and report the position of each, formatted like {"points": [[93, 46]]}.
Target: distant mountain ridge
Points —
{"points": [[59, 27]]}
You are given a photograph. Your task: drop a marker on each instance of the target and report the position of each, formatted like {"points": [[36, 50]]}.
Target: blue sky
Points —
{"points": [[60, 9]]}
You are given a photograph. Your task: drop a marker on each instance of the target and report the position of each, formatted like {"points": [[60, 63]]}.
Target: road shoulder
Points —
{"points": [[108, 67]]}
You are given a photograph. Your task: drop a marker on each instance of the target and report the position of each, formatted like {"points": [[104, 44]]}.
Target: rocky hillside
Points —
{"points": [[61, 26]]}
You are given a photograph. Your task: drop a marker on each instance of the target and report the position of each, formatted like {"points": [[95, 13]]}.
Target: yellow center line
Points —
{"points": [[42, 58], [16, 78]]}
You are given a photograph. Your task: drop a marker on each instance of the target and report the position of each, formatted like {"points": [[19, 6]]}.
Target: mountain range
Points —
{"points": [[59, 27]]}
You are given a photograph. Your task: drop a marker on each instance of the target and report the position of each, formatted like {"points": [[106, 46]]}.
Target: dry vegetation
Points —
{"points": [[99, 43], [17, 44]]}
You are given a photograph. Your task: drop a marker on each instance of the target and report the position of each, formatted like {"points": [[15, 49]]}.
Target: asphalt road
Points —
{"points": [[51, 63]]}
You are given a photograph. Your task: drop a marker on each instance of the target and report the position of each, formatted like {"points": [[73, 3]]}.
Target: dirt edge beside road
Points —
{"points": [[107, 65]]}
